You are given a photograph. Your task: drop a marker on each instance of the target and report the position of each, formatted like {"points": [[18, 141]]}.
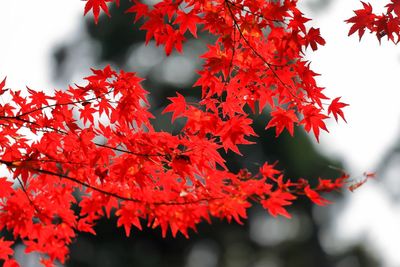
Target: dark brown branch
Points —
{"points": [[112, 194], [253, 13], [65, 133]]}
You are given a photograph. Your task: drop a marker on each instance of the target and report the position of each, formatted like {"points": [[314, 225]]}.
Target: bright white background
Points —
{"points": [[364, 73]]}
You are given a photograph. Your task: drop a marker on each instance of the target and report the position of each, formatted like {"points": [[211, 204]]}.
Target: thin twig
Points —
{"points": [[112, 194]]}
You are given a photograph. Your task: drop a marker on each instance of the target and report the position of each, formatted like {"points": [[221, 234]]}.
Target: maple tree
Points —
{"points": [[88, 152]]}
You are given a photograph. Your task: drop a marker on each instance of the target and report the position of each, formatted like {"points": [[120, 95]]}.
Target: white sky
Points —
{"points": [[364, 73], [29, 30]]}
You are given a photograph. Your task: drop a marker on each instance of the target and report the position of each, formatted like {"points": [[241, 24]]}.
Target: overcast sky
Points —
{"points": [[364, 73]]}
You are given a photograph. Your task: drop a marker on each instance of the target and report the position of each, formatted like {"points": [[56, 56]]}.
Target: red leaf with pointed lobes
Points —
{"points": [[85, 226], [394, 5], [95, 6], [128, 216], [174, 39], [313, 119], [140, 9], [265, 97], [234, 131], [387, 25], [364, 19], [188, 21], [282, 119], [5, 249], [276, 202], [269, 171], [315, 197], [104, 106], [313, 38], [336, 108], [39, 98], [86, 113], [327, 185], [298, 21], [177, 107]]}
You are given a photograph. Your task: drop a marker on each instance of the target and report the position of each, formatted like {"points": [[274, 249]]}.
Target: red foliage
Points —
{"points": [[98, 139], [386, 24]]}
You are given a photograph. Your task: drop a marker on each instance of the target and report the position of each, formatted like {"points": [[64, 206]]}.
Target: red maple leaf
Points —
{"points": [[313, 119], [234, 131], [188, 21], [364, 19], [174, 39], [282, 119], [128, 216], [269, 171], [177, 107], [313, 38], [86, 113], [336, 108], [5, 249], [315, 197], [38, 97], [96, 6], [139, 8], [276, 202], [394, 5]]}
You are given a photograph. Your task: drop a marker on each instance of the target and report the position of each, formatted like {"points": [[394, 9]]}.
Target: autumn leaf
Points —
{"points": [[38, 98], [139, 8], [276, 202], [174, 39], [315, 197], [188, 21], [336, 108], [5, 249], [127, 216], [282, 119], [313, 38], [234, 131], [269, 171], [394, 5], [364, 19], [177, 107], [96, 6], [86, 113], [313, 119]]}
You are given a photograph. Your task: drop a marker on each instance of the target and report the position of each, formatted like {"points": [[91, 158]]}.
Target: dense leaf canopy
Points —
{"points": [[91, 151]]}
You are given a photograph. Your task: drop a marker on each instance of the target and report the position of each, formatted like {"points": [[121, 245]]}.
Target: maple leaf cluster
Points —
{"points": [[94, 147], [88, 152], [385, 24]]}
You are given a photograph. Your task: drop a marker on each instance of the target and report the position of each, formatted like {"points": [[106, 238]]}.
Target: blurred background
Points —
{"points": [[48, 44]]}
